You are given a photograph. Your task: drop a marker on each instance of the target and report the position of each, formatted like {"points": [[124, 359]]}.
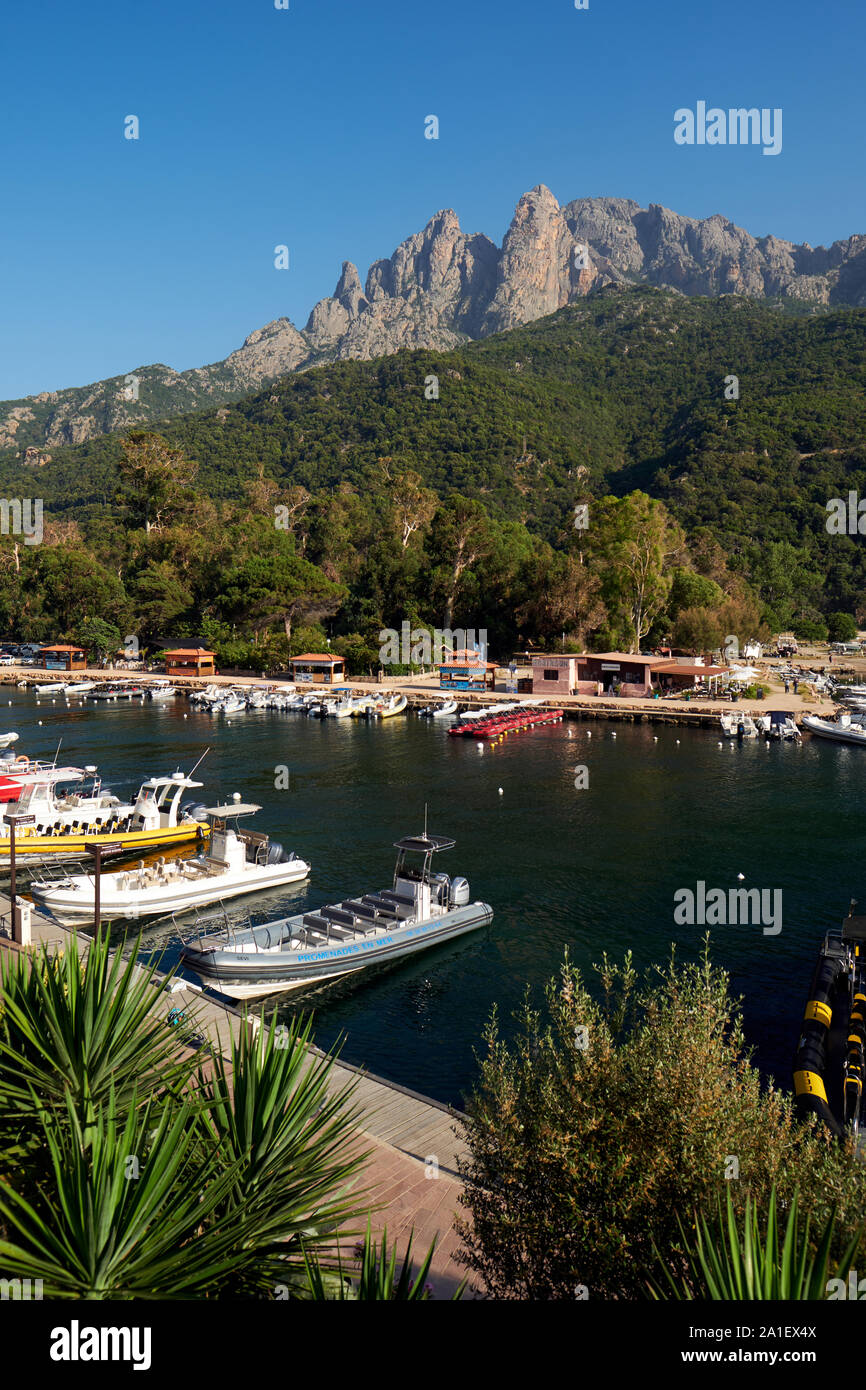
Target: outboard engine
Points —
{"points": [[459, 892], [194, 810], [278, 855]]}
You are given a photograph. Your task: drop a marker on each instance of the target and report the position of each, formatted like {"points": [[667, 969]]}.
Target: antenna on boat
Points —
{"points": [[425, 820], [57, 754], [201, 760]]}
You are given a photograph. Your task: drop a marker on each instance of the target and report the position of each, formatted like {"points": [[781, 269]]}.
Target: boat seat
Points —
{"points": [[220, 865], [315, 923], [337, 916], [403, 899], [361, 909], [382, 905]]}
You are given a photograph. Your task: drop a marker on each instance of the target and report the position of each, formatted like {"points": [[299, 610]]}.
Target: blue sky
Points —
{"points": [[306, 127]]}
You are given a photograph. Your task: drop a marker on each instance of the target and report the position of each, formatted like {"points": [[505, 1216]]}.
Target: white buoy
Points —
{"points": [[678, 743], [40, 723], [480, 747], [741, 877], [500, 791], [588, 732], [613, 735], [721, 745], [655, 738]]}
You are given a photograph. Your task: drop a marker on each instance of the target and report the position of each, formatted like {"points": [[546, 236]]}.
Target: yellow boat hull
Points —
{"points": [[28, 845]]}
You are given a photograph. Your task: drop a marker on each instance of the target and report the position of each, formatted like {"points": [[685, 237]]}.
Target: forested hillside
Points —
{"points": [[442, 488]]}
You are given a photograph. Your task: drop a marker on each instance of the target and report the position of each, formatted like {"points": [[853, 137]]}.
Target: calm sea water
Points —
{"points": [[593, 869]]}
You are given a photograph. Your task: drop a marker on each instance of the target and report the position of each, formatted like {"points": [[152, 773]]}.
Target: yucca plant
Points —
{"points": [[127, 1171], [377, 1280], [293, 1141], [78, 1030], [727, 1260], [138, 1211]]}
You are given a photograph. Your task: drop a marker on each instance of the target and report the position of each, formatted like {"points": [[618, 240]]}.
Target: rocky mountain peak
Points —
{"points": [[441, 286]]}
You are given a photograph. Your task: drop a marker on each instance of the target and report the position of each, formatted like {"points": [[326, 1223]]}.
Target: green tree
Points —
{"points": [[841, 627], [637, 543], [155, 479], [278, 586], [98, 637], [130, 1170]]}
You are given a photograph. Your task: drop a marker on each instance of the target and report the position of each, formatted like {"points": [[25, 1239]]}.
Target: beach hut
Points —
{"points": [[190, 661], [63, 657], [318, 668]]}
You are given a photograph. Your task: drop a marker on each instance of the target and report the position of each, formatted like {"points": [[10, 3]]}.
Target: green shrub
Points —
{"points": [[602, 1124]]}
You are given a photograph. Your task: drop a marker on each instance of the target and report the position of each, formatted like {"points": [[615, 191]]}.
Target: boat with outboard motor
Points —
{"points": [[439, 711], [421, 909], [386, 709], [67, 826], [843, 729], [236, 862], [779, 724], [740, 725], [830, 1057]]}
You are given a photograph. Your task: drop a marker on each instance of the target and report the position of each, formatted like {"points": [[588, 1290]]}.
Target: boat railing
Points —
{"points": [[54, 871], [218, 923]]}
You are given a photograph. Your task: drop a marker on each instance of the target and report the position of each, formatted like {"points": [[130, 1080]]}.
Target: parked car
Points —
{"points": [[6, 659]]}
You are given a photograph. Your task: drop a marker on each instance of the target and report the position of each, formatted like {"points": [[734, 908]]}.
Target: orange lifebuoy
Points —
{"points": [[22, 758]]}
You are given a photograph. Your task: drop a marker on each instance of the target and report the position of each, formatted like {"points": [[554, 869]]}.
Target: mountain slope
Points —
{"points": [[443, 287]]}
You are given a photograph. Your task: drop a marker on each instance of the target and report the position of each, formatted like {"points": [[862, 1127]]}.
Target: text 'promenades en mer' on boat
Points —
{"points": [[421, 909]]}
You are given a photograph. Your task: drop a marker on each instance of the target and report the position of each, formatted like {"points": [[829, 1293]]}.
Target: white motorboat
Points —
{"points": [[50, 688], [77, 688], [116, 690], [236, 862], [206, 696], [840, 730], [738, 725], [384, 709], [340, 708], [421, 909], [161, 690], [230, 704], [362, 705], [6, 739], [445, 710]]}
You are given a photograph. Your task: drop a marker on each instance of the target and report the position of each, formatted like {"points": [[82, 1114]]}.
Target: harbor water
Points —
{"points": [[590, 861]]}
